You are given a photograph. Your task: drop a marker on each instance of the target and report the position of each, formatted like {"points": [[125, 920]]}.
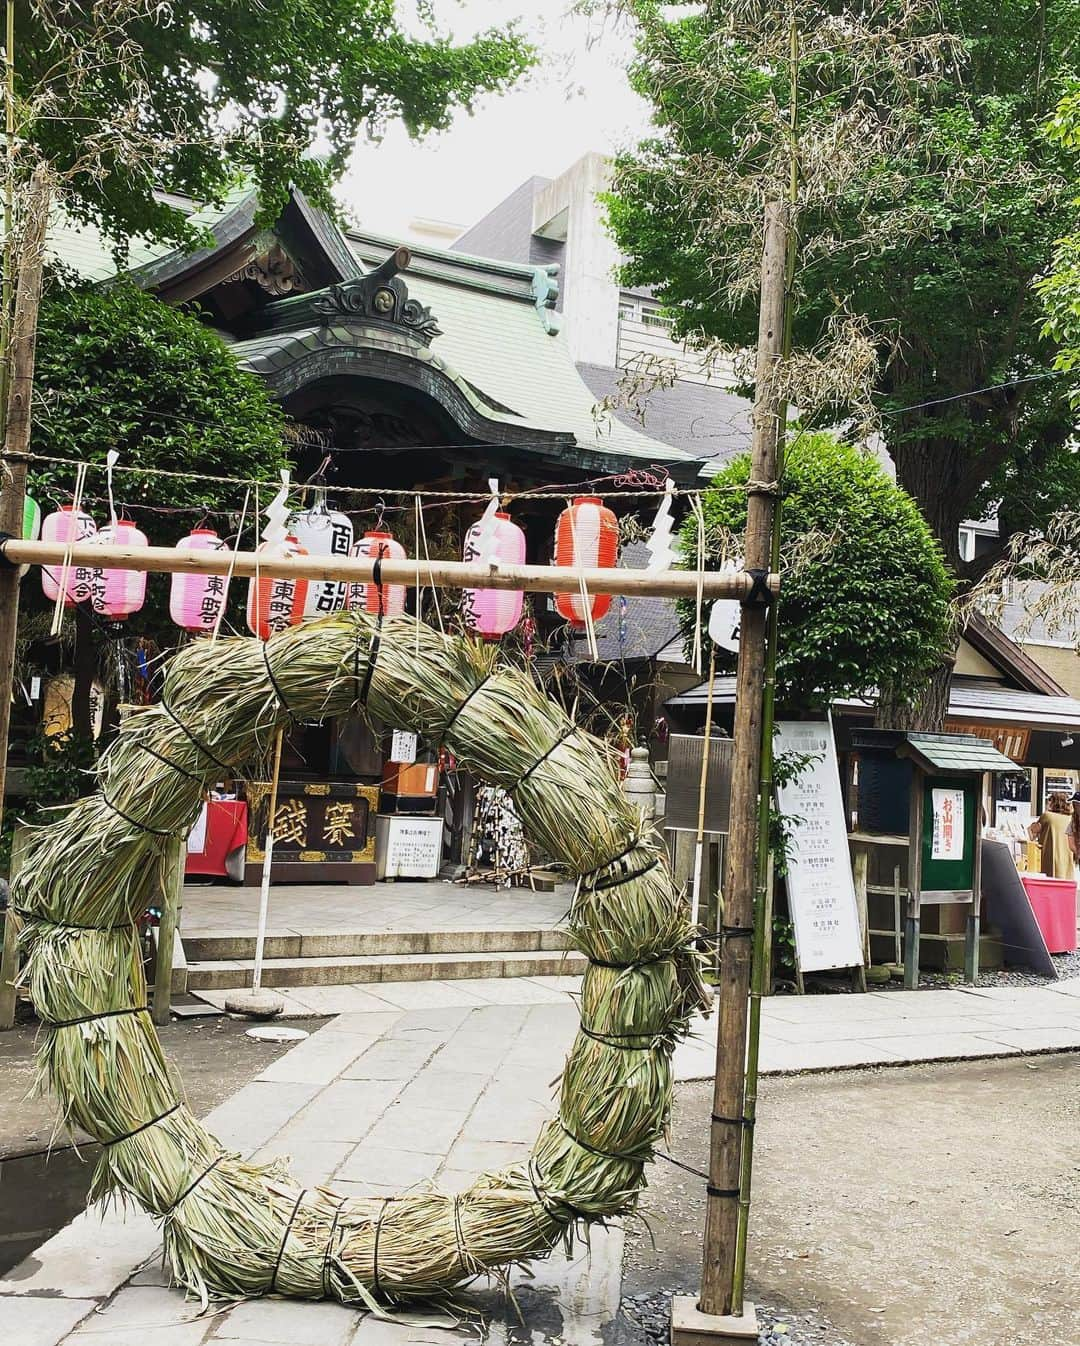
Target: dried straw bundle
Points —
{"points": [[233, 1228]]}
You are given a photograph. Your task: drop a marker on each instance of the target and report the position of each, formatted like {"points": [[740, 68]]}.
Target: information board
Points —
{"points": [[821, 891]]}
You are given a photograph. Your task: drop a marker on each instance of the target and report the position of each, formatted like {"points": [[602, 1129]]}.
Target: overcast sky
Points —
{"points": [[575, 101]]}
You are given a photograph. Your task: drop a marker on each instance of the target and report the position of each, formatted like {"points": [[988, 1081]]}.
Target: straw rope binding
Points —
{"points": [[237, 1229]]}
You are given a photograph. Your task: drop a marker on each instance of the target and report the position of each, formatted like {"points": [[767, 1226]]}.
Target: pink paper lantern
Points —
{"points": [[273, 603], [196, 601], [66, 525], [117, 593], [493, 612], [389, 599]]}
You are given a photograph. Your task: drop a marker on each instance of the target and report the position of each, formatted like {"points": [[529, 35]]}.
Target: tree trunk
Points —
{"points": [[927, 712], [931, 471]]}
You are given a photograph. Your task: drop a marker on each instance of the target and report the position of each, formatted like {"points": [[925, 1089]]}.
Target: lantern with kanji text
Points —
{"points": [[196, 601], [274, 602], [114, 592], [387, 599], [323, 532], [67, 525], [493, 540]]}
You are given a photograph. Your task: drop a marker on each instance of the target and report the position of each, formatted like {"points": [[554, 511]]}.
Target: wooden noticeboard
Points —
{"points": [[939, 873], [324, 831]]}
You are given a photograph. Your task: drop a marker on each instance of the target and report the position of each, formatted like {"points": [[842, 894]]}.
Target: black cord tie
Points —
{"points": [[145, 747], [375, 1285], [69, 925], [468, 1263], [192, 1185], [600, 1154], [736, 932], [760, 595], [725, 1193], [612, 1040], [4, 539], [453, 718], [284, 1241], [187, 732], [89, 1018], [627, 850], [152, 1122], [643, 962], [686, 1168], [733, 1121], [376, 636], [602, 885], [150, 831], [330, 1248], [274, 683], [567, 733]]}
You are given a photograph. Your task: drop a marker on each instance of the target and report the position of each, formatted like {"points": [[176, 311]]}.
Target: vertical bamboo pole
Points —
{"points": [[19, 351], [268, 860], [718, 1283], [172, 883], [9, 961]]}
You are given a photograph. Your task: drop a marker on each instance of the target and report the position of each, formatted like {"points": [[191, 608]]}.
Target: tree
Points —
{"points": [[118, 369], [1060, 289], [865, 595], [123, 97], [927, 205]]}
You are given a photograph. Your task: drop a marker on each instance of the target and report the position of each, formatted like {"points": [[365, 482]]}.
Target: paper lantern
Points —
{"points": [[323, 532], [67, 525], [493, 612], [117, 593], [31, 529], [389, 599], [586, 537], [273, 603], [196, 601]]}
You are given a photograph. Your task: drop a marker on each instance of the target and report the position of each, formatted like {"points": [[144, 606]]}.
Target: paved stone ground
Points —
{"points": [[442, 1087], [405, 905]]}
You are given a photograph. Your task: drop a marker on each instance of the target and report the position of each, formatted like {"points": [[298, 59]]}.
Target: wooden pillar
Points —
{"points": [[172, 888], [727, 1131]]}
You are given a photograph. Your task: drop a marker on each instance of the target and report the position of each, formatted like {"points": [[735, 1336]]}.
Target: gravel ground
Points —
{"points": [[1067, 964], [651, 1315]]}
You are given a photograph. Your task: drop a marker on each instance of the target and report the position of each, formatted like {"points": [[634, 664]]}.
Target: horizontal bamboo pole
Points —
{"points": [[411, 573]]}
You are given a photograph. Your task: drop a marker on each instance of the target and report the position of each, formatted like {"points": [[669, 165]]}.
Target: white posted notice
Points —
{"points": [[948, 839], [821, 891]]}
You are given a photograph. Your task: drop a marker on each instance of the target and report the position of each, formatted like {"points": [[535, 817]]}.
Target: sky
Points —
{"points": [[577, 100]]}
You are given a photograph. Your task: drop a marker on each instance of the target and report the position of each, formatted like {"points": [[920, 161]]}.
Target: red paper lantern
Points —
{"points": [[114, 592], [273, 602], [67, 525], [493, 612], [389, 599], [196, 601], [586, 538]]}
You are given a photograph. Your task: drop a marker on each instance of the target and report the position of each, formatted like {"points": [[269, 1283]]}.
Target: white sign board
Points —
{"points": [[402, 747], [413, 848], [948, 840], [821, 891]]}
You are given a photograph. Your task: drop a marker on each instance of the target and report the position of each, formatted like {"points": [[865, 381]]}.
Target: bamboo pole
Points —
{"points": [[720, 1293], [699, 840], [411, 573], [172, 883], [268, 860]]}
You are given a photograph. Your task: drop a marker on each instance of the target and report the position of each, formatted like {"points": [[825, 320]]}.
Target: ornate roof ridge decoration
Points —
{"points": [[380, 296]]}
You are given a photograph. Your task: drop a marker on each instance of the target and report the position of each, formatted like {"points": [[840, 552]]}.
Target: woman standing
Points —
{"points": [[1051, 831]]}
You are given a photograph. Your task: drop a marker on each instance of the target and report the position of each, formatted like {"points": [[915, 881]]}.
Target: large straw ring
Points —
{"points": [[233, 1228]]}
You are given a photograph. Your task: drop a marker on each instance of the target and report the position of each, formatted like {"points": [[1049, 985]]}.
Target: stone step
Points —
{"points": [[231, 974], [240, 944]]}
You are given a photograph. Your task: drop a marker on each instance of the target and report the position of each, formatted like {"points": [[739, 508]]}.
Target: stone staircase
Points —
{"points": [[225, 961]]}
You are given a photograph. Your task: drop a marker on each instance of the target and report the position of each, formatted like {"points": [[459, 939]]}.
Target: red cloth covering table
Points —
{"points": [[225, 837]]}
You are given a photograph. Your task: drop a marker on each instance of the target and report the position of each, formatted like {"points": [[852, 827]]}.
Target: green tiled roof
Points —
{"points": [[960, 752]]}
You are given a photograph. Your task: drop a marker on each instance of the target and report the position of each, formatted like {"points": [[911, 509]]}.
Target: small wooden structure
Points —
{"points": [[923, 794]]}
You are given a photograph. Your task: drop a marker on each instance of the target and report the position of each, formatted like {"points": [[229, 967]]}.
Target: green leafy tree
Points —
{"points": [[122, 97], [118, 369], [865, 595], [928, 203], [1060, 289]]}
